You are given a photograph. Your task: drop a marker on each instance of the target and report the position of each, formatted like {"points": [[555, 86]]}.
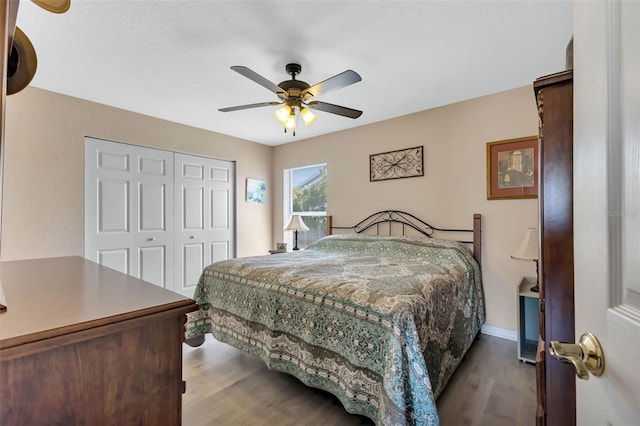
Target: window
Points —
{"points": [[305, 190]]}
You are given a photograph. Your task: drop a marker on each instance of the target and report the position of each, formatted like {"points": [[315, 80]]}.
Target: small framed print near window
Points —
{"points": [[512, 168], [256, 190], [399, 164]]}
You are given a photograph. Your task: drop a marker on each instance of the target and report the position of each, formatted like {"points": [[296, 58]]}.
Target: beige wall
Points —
{"points": [[43, 203], [43, 206], [453, 188]]}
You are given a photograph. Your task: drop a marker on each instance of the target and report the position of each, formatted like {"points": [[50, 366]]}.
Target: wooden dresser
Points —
{"points": [[82, 344], [555, 380]]}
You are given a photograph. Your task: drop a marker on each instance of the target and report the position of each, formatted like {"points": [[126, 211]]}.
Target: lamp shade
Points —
{"points": [[308, 116], [528, 248], [290, 122], [296, 224], [282, 114]]}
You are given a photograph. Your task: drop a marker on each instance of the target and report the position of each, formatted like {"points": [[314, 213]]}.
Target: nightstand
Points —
{"points": [[276, 252], [528, 319]]}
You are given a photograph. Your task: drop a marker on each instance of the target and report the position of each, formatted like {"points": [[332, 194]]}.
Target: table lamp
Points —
{"points": [[528, 251], [296, 224]]}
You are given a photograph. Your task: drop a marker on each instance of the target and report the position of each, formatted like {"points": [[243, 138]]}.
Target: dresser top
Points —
{"points": [[56, 296]]}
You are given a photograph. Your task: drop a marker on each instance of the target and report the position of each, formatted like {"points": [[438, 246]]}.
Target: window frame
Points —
{"points": [[288, 200]]}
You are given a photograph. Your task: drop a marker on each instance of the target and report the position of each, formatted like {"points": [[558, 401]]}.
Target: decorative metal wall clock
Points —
{"points": [[396, 164]]}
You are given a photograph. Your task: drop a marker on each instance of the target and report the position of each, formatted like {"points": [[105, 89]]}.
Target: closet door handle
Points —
{"points": [[191, 237], [151, 239]]}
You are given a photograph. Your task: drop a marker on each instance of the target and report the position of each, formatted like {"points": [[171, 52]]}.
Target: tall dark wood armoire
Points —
{"points": [[556, 381]]}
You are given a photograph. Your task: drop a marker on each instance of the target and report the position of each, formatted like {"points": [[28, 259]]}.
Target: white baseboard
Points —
{"points": [[499, 332]]}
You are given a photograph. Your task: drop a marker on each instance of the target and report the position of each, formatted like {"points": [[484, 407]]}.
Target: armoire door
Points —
{"points": [[205, 222], [556, 380], [129, 210]]}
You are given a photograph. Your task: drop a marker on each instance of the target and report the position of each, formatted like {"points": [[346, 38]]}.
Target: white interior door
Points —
{"points": [[129, 210], [205, 223], [607, 205]]}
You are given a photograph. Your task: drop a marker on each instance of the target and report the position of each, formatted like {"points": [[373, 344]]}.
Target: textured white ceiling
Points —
{"points": [[171, 59]]}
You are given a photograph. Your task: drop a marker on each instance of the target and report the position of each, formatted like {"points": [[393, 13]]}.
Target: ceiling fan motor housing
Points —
{"points": [[293, 87]]}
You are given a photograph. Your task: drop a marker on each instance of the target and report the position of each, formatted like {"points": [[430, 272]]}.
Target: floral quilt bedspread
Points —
{"points": [[380, 322]]}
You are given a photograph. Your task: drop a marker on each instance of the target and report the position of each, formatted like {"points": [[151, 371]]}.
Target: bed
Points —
{"points": [[380, 321]]}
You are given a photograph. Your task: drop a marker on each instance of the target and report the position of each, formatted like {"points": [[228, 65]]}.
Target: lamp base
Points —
{"points": [[535, 288], [295, 233]]}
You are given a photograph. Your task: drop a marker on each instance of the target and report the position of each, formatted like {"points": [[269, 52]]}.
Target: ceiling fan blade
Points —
{"points": [[55, 6], [248, 106], [339, 81], [254, 76], [335, 109]]}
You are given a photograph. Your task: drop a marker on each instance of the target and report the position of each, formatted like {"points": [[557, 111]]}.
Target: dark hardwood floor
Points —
{"points": [[228, 387]]}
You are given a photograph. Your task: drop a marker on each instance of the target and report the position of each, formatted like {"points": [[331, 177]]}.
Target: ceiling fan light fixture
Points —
{"points": [[282, 114], [290, 123], [308, 116]]}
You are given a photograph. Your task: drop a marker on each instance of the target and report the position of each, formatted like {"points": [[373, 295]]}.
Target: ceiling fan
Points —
{"points": [[298, 96]]}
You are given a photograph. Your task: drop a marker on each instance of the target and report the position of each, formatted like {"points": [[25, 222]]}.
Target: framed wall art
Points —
{"points": [[399, 164], [256, 190], [512, 168]]}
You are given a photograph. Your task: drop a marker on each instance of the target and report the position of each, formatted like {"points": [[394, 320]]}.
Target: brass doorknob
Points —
{"points": [[586, 356]]}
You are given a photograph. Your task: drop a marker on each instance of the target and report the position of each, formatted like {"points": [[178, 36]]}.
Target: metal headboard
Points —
{"points": [[387, 218]]}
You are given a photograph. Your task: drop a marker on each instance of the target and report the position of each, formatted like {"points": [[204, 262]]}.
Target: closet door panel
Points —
{"points": [[129, 209], [153, 236], [192, 211], [117, 259], [193, 260], [113, 206], [219, 251], [152, 263], [219, 209], [109, 205], [152, 209], [221, 172], [205, 219], [221, 232]]}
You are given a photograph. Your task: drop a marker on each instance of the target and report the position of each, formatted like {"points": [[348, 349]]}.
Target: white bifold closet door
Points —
{"points": [[129, 210], [157, 215], [204, 216]]}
